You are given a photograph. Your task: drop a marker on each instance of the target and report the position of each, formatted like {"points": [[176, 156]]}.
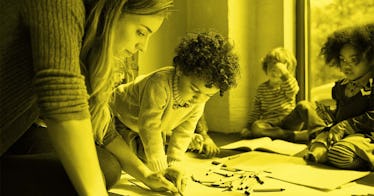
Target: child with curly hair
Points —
{"points": [[349, 142], [275, 113], [171, 100]]}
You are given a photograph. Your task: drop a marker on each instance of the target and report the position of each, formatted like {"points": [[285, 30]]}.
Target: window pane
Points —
{"points": [[325, 17]]}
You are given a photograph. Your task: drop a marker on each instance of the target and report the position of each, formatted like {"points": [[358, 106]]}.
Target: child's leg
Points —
{"points": [[343, 155], [304, 115], [262, 128], [317, 151], [301, 136]]}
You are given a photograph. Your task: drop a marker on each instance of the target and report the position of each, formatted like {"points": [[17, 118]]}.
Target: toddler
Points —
{"points": [[348, 143], [171, 100], [275, 113]]}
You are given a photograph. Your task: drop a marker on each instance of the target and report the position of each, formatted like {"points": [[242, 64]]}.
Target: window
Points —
{"points": [[323, 17]]}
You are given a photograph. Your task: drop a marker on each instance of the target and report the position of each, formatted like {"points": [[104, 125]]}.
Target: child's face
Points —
{"points": [[350, 63], [275, 71], [193, 89]]}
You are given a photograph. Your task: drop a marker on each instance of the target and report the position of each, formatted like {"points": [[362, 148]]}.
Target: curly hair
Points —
{"points": [[279, 55], [208, 56], [360, 37]]}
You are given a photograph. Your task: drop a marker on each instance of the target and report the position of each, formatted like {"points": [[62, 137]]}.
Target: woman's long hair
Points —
{"points": [[97, 56]]}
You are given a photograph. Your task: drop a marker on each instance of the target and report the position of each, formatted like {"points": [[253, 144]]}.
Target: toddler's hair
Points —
{"points": [[279, 55], [361, 37], [208, 56]]}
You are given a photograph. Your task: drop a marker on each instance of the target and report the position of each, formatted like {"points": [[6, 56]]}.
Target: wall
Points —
{"points": [[204, 16], [254, 26], [161, 45]]}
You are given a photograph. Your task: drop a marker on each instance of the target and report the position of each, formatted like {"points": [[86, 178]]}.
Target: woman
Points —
{"points": [[41, 77]]}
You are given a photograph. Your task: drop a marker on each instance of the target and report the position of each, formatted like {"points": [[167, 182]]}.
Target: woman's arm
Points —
{"points": [[74, 144], [133, 166], [56, 30]]}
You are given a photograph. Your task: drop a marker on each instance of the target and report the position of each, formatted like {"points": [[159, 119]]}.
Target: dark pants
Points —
{"points": [[304, 116], [303, 119], [31, 167]]}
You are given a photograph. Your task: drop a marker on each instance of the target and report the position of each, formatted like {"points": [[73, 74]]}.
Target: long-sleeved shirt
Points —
{"points": [[39, 64], [358, 109], [150, 106], [274, 103]]}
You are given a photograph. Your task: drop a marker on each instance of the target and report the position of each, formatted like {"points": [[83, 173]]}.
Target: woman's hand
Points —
{"points": [[157, 182], [177, 176]]}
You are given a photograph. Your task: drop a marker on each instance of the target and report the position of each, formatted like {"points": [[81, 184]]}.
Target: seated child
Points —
{"points": [[349, 143], [274, 114], [171, 100], [202, 142]]}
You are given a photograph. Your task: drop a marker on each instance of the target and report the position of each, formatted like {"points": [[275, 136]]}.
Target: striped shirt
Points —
{"points": [[274, 103]]}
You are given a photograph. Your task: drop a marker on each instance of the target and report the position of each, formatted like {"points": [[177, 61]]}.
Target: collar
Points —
{"points": [[361, 81], [178, 100]]}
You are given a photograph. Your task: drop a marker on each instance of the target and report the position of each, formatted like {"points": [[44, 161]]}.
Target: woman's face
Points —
{"points": [[351, 63], [194, 91], [132, 32]]}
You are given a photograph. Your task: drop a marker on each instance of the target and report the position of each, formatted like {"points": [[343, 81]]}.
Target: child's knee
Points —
{"points": [[343, 156]]}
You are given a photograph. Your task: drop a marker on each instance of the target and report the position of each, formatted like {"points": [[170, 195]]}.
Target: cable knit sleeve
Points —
{"points": [[181, 135], [56, 30], [156, 95]]}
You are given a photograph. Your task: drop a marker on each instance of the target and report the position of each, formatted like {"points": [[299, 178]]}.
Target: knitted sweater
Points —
{"points": [[274, 103], [149, 106], [39, 64]]}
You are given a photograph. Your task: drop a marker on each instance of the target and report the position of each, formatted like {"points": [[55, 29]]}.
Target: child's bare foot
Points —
{"points": [[246, 133], [317, 153]]}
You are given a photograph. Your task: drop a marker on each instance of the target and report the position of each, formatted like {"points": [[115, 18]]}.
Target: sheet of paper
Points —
{"points": [[315, 176], [132, 187]]}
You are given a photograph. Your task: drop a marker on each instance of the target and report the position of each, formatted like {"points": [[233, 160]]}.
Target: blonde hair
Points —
{"points": [[96, 54], [279, 55]]}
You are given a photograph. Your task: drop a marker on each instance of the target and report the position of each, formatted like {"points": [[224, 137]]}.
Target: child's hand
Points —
{"points": [[157, 182], [338, 131], [177, 176], [197, 143], [282, 68], [210, 148]]}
